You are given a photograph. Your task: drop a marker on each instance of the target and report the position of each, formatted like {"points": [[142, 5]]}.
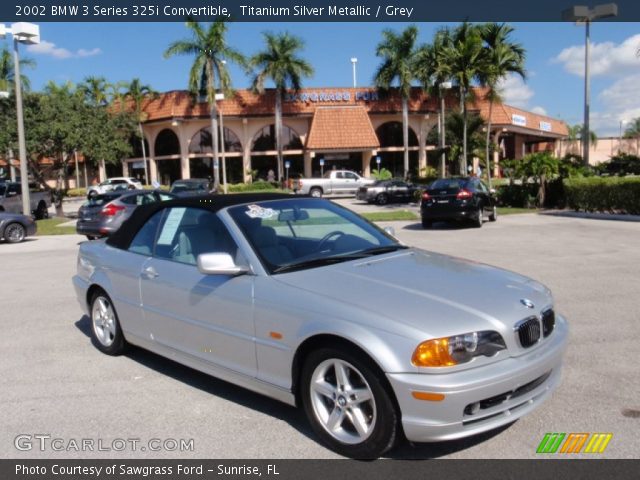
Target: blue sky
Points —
{"points": [[121, 51]]}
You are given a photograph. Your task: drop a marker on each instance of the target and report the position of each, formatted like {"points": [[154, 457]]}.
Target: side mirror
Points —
{"points": [[219, 264], [492, 191]]}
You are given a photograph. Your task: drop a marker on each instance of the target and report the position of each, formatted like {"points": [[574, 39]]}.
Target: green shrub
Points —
{"points": [[518, 196], [622, 164], [382, 174], [77, 192], [260, 185], [612, 195]]}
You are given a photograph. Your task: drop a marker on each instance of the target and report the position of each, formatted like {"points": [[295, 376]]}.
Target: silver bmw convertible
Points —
{"points": [[304, 301]]}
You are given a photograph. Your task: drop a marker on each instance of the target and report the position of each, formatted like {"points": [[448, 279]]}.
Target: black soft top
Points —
{"points": [[124, 235]]}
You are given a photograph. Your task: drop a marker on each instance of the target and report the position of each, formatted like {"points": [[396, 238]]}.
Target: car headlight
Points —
{"points": [[449, 351]]}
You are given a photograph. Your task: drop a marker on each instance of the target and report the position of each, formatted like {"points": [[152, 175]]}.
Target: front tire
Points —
{"points": [[14, 233], [105, 327], [347, 403], [382, 199]]}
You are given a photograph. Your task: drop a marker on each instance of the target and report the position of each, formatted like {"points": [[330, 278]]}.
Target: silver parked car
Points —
{"points": [[304, 301], [15, 227]]}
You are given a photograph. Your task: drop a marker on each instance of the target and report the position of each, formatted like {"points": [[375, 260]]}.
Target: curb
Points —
{"points": [[593, 216]]}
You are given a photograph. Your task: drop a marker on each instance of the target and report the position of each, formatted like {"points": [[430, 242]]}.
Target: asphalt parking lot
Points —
{"points": [[54, 382]]}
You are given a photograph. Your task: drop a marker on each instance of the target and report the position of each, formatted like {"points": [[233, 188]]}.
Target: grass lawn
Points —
{"points": [[390, 216], [49, 226], [513, 210]]}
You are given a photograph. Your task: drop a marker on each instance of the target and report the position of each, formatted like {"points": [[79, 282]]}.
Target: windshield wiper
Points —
{"points": [[318, 262], [380, 250]]}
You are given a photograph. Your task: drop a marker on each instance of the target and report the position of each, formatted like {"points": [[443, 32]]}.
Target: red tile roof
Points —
{"points": [[245, 103], [341, 128]]}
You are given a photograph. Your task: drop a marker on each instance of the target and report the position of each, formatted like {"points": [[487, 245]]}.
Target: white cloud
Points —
{"points": [[607, 58], [49, 48], [621, 101], [514, 91], [539, 110]]}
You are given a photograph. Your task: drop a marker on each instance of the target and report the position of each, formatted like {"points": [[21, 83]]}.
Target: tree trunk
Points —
{"points": [[405, 136], [487, 148], [214, 124], [279, 132], [144, 154], [463, 163], [215, 146]]}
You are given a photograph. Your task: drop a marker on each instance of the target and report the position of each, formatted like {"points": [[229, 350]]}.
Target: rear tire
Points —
{"points": [[348, 404], [478, 219], [316, 192], [494, 214], [14, 233], [106, 333], [426, 223], [42, 212]]}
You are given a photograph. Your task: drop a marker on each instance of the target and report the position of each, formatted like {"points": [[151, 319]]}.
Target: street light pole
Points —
{"points": [[587, 95], [354, 60], [582, 14], [29, 33]]}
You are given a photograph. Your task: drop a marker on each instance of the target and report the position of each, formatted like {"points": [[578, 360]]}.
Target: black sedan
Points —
{"points": [[463, 199], [103, 214], [191, 186], [387, 191]]}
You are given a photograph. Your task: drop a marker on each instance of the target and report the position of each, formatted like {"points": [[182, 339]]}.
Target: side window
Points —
{"points": [[350, 176], [339, 175], [14, 189], [143, 241], [482, 187], [189, 232]]}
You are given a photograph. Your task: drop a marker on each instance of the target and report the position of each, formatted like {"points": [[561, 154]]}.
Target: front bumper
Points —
{"points": [[368, 196], [81, 287], [507, 390]]}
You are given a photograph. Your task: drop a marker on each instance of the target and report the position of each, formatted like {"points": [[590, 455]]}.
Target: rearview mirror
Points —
{"points": [[219, 264], [293, 215]]}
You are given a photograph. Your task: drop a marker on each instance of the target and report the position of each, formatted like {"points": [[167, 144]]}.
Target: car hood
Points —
{"points": [[435, 294]]}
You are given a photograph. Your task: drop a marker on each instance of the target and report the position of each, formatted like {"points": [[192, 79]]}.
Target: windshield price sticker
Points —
{"points": [[256, 211]]}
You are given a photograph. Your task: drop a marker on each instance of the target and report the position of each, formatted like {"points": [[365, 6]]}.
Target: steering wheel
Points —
{"points": [[327, 237]]}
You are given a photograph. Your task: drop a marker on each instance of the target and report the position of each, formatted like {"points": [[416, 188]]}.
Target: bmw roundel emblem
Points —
{"points": [[527, 303]]}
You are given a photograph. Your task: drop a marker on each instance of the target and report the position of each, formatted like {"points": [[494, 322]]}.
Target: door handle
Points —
{"points": [[150, 273]]}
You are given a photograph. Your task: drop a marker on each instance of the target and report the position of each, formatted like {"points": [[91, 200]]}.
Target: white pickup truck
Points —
{"points": [[334, 182], [11, 200]]}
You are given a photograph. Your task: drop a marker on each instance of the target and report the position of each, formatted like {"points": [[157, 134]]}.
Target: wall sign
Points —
{"points": [[519, 120], [545, 126], [331, 96]]}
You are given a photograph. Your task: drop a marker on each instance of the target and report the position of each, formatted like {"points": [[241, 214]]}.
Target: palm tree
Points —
{"points": [[398, 53], [280, 63], [540, 166], [7, 79], [137, 93], [633, 131], [432, 70], [502, 57], [465, 57], [95, 89], [209, 71]]}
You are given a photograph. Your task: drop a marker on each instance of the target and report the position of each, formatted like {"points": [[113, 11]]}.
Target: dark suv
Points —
{"points": [[466, 199]]}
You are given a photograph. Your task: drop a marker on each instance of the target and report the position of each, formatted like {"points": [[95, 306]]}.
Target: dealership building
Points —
{"points": [[323, 128]]}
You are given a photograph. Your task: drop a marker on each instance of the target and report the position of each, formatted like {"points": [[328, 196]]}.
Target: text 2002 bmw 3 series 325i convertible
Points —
{"points": [[304, 301]]}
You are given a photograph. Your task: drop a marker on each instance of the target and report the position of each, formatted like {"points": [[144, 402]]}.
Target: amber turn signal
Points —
{"points": [[433, 353]]}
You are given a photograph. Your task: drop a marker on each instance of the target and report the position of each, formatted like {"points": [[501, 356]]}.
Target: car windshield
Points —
{"points": [[448, 184], [99, 200], [303, 233], [185, 186]]}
